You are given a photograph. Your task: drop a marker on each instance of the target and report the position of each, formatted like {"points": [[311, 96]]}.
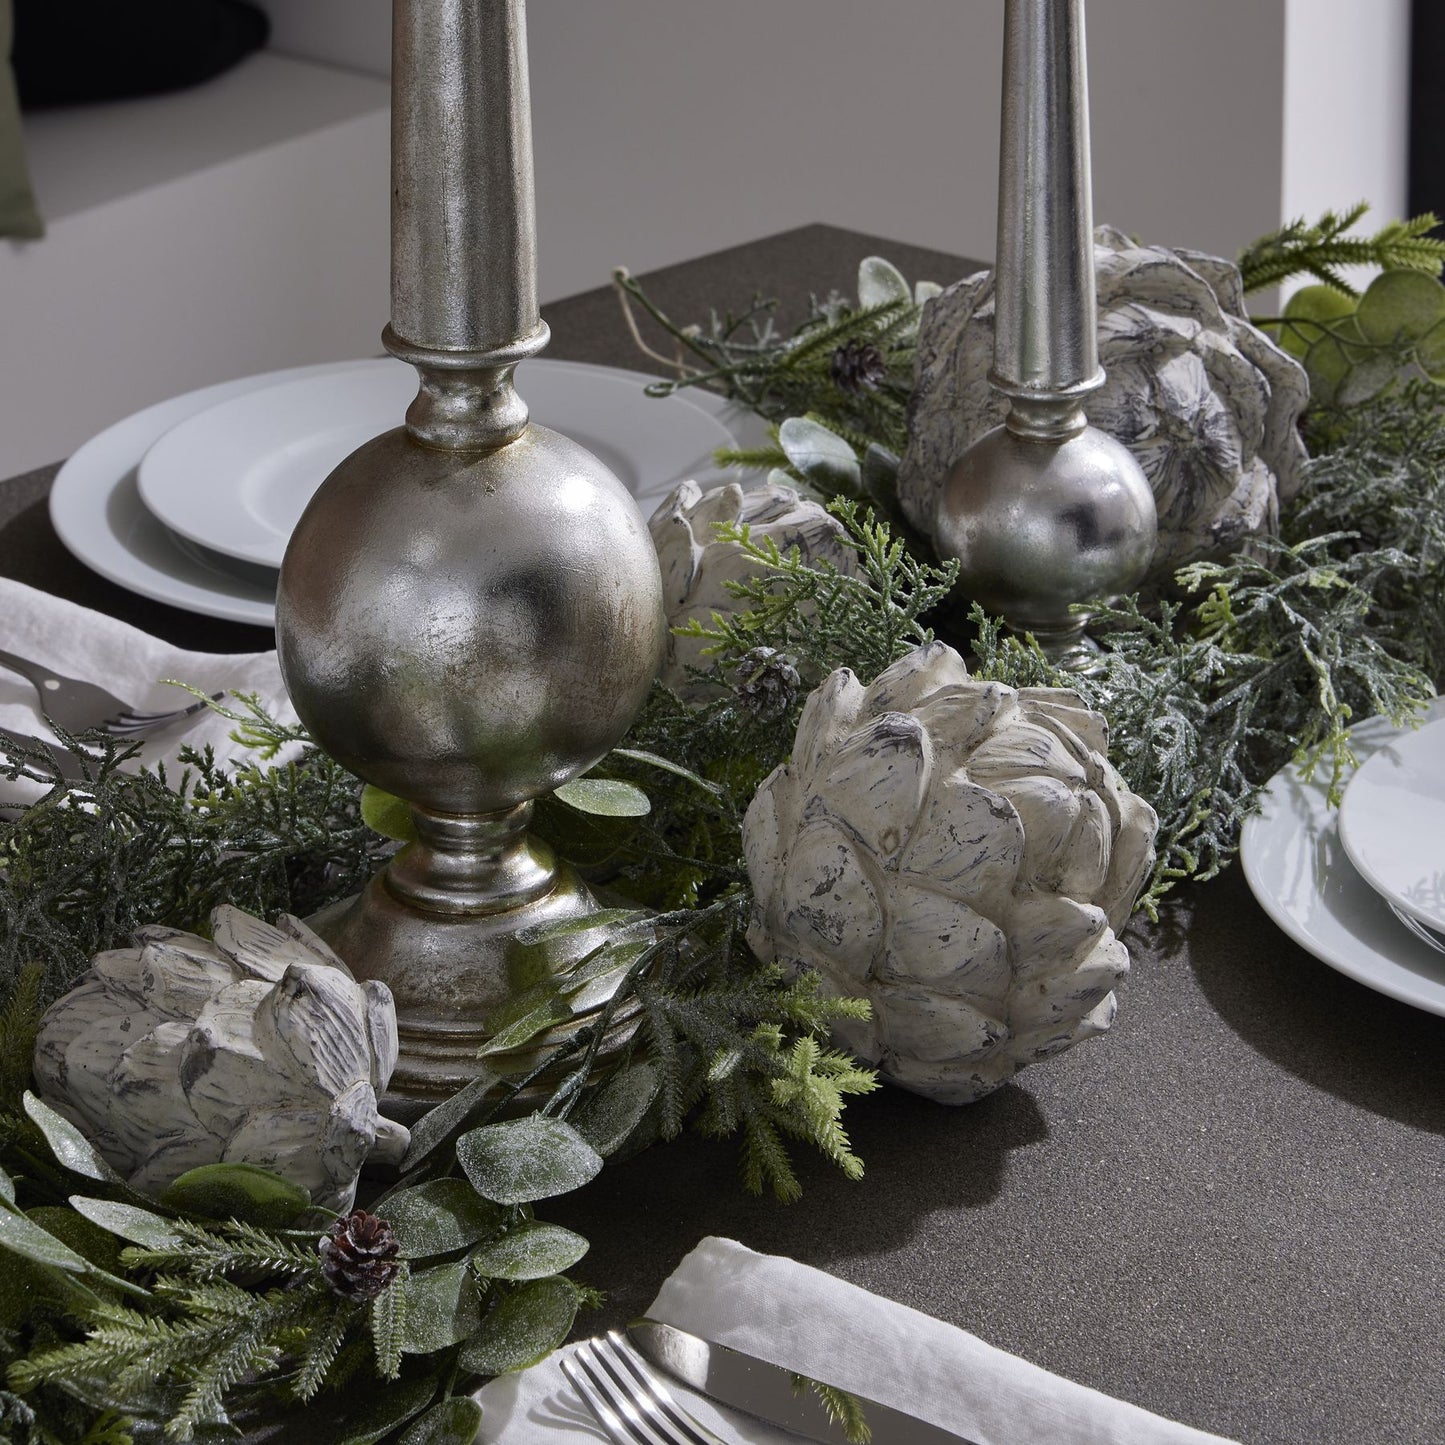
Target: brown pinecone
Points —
{"points": [[857, 366], [358, 1258], [766, 681]]}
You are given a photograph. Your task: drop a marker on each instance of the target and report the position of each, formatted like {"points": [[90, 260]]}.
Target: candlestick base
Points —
{"points": [[452, 927]]}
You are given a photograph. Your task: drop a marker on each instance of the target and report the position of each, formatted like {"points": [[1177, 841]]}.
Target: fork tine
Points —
{"points": [[655, 1397], [612, 1406], [129, 722], [602, 1412]]}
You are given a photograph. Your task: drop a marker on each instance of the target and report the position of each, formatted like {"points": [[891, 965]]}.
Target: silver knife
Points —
{"points": [[66, 762], [771, 1393]]}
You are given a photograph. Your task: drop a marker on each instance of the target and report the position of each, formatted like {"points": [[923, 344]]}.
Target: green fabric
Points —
{"points": [[18, 216]]}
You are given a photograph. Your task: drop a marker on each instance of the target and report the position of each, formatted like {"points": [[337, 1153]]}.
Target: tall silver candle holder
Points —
{"points": [[1045, 511], [469, 611]]}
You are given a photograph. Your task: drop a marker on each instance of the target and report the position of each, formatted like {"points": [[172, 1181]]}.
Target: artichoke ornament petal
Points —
{"points": [[697, 564], [258, 949], [892, 753], [380, 1032], [969, 841], [954, 850], [833, 907], [256, 1047]]}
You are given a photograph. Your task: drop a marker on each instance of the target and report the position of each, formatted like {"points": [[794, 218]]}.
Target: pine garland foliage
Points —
{"points": [[1321, 247]]}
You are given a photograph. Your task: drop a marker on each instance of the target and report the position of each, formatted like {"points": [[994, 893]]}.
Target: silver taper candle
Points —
{"points": [[469, 611], [1045, 511]]}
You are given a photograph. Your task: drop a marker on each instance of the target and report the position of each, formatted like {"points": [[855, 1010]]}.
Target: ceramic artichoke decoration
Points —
{"points": [[697, 564], [958, 852], [1206, 402], [256, 1046]]}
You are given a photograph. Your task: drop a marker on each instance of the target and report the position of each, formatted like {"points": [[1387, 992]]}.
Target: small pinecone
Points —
{"points": [[358, 1258], [858, 366], [766, 681]]}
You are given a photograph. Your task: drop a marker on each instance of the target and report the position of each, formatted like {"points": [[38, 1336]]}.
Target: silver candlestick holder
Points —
{"points": [[1045, 511], [470, 610]]}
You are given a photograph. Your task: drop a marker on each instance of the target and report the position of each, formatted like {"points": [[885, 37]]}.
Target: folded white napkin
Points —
{"points": [[805, 1320], [92, 647]]}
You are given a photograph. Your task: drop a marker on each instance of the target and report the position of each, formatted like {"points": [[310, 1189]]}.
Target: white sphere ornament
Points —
{"points": [[255, 1046], [698, 564], [961, 854], [1205, 402]]}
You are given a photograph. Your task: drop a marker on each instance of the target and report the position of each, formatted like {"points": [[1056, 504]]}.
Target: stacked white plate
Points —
{"points": [[1362, 886], [191, 501]]}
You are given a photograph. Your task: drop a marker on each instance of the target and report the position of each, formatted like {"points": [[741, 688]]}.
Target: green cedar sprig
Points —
{"points": [[1320, 248]]}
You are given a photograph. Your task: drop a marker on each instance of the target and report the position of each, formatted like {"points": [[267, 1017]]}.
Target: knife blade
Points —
{"points": [[770, 1393], [66, 762]]}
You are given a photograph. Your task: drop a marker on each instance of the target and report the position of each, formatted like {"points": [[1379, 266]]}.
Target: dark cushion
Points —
{"points": [[71, 51], [18, 216]]}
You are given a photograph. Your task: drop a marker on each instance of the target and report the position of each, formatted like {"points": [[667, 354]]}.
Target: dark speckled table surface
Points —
{"points": [[1230, 1209]]}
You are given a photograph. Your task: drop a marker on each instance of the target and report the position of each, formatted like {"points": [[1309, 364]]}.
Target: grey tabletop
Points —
{"points": [[1228, 1209]]}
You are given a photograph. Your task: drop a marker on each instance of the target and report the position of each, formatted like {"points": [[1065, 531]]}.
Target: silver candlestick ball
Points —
{"points": [[470, 609], [1046, 511]]}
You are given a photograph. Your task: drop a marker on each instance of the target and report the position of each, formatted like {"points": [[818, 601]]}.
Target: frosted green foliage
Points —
{"points": [[1320, 248]]}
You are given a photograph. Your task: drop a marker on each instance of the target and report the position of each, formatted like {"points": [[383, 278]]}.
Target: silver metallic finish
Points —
{"points": [[769, 1392], [1046, 511], [469, 611]]}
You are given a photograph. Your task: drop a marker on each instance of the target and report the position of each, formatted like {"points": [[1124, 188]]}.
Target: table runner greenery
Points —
{"points": [[213, 1314]]}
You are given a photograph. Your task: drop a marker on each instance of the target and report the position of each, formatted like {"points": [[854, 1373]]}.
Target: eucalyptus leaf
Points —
{"points": [[880, 282], [820, 455], [437, 1126], [1400, 306], [656, 760], [387, 814], [139, 1226], [526, 1326], [442, 1308], [438, 1217], [607, 1120], [67, 1143], [1315, 309], [604, 797], [453, 1422], [1327, 366], [244, 1192], [7, 1188], [520, 1160], [24, 1237], [532, 1250], [553, 1011], [1430, 353], [926, 291], [1366, 378]]}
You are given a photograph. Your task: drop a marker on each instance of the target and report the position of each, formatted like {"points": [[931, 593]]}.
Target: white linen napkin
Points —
{"points": [[808, 1321], [92, 647]]}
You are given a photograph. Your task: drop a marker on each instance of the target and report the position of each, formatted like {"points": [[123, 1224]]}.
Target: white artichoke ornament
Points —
{"points": [[697, 564], [961, 854], [1207, 403], [256, 1047]]}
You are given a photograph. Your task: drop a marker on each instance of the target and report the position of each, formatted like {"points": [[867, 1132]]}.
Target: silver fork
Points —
{"points": [[77, 705], [627, 1399]]}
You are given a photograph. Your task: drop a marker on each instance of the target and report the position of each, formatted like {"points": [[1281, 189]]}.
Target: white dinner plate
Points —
{"points": [[1296, 867], [1392, 823], [236, 477], [96, 508]]}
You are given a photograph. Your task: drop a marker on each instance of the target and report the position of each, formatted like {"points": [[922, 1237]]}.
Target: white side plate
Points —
{"points": [[1392, 823], [1297, 869], [96, 508], [236, 477]]}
